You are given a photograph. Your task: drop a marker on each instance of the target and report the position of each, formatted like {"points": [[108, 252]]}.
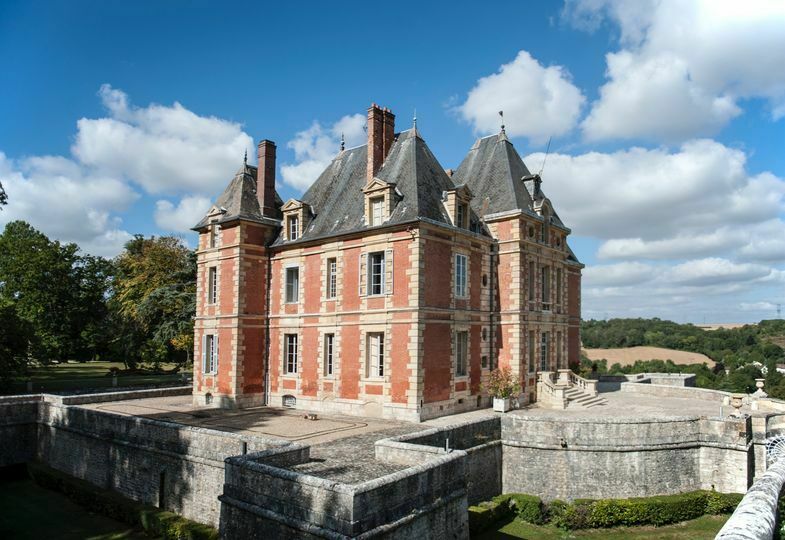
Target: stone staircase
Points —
{"points": [[579, 399]]}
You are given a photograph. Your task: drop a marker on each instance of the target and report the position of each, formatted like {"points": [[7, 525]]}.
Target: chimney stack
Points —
{"points": [[381, 132], [265, 178]]}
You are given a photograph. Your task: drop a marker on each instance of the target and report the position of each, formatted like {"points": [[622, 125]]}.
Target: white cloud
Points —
{"points": [[315, 147], [618, 275], [655, 195], [182, 217], [684, 67], [716, 271], [537, 101], [163, 149], [57, 196]]}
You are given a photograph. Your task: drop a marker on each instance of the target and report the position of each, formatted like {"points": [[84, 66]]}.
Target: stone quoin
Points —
{"points": [[391, 288]]}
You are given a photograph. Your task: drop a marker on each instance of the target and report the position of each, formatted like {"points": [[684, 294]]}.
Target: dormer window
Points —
{"points": [[296, 215], [294, 227], [213, 232], [377, 211], [378, 202], [460, 215], [456, 202]]}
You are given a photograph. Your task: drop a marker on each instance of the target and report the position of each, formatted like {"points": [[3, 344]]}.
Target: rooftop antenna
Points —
{"points": [[343, 142], [547, 149], [501, 113]]}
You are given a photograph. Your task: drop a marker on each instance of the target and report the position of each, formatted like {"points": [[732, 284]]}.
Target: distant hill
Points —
{"points": [[629, 355]]}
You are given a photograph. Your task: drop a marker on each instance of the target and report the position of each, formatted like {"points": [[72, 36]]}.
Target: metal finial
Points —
{"points": [[245, 158], [415, 119], [501, 113], [343, 142]]}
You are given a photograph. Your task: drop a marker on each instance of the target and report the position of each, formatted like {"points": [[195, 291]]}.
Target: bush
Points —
{"points": [[722, 503], [528, 508], [154, 521], [485, 514], [648, 511]]}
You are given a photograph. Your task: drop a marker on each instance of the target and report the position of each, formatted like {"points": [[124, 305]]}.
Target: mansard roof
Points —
{"points": [[338, 203], [239, 201]]}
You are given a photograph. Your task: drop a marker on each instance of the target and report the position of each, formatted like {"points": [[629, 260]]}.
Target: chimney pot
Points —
{"points": [[265, 178]]}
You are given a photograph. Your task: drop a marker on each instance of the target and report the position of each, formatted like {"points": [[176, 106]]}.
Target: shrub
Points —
{"points": [[527, 508], [154, 521], [722, 503], [555, 512], [485, 514]]}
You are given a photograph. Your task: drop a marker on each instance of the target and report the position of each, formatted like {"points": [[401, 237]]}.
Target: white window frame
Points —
{"points": [[292, 296], [210, 354], [332, 278], [375, 355], [329, 355], [461, 353], [290, 353], [461, 268], [382, 273], [212, 285], [376, 210], [293, 227]]}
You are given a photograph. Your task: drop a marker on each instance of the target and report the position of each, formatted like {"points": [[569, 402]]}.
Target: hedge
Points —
{"points": [[594, 514], [154, 521]]}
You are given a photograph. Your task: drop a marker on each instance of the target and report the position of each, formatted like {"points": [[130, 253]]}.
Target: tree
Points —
{"points": [[155, 292], [14, 338], [3, 196]]}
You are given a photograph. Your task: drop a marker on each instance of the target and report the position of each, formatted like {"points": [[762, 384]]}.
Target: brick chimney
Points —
{"points": [[265, 178], [381, 133]]}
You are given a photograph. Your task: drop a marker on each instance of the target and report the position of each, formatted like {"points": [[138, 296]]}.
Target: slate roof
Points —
{"points": [[336, 197], [239, 200]]}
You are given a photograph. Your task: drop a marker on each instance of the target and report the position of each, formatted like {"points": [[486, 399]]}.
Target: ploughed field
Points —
{"points": [[629, 355]]}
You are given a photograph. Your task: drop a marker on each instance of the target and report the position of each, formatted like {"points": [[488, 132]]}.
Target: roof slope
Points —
{"points": [[493, 169], [239, 201], [337, 200]]}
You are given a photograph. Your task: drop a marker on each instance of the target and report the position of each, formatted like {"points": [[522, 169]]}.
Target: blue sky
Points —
{"points": [[667, 122]]}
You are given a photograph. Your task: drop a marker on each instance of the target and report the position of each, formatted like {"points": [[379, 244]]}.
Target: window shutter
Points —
{"points": [[363, 274], [215, 353], [204, 354], [388, 271]]}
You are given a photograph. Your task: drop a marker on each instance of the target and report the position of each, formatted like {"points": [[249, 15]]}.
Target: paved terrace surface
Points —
{"points": [[342, 447]]}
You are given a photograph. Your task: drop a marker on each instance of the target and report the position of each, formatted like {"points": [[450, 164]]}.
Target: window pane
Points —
{"points": [[291, 353], [460, 275], [328, 353], [332, 279], [376, 273], [461, 353], [376, 355], [292, 284], [377, 210]]}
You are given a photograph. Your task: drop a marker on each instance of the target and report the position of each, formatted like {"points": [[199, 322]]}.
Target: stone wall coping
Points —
{"points": [[644, 419], [661, 389], [23, 398]]}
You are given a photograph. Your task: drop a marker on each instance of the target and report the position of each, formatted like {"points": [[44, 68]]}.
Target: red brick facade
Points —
{"points": [[407, 347]]}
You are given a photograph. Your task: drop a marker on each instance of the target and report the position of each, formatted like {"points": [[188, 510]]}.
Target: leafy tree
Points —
{"points": [[3, 196], [14, 339]]}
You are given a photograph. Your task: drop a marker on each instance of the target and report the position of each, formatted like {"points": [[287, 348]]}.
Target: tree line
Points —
{"points": [[741, 355], [58, 303]]}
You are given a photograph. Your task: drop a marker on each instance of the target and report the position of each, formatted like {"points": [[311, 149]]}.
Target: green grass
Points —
{"points": [[32, 512], [87, 375], [705, 527]]}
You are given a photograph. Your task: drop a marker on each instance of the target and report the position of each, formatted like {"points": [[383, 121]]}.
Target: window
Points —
{"points": [[460, 275], [558, 351], [213, 232], [377, 211], [546, 288], [532, 364], [375, 355], [544, 337], [332, 277], [290, 354], [460, 215], [210, 354], [212, 285], [329, 341], [558, 286], [376, 273], [292, 285], [294, 227], [531, 281], [461, 353]]}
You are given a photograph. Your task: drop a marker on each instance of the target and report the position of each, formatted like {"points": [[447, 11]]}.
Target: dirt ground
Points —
{"points": [[629, 355]]}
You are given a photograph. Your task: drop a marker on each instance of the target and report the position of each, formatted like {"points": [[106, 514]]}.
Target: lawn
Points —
{"points": [[705, 527], [31, 512], [87, 375]]}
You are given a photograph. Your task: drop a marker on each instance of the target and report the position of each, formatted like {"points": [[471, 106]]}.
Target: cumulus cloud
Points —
{"points": [[684, 67], [537, 101], [161, 149], [58, 196], [654, 194], [182, 217], [164, 149], [617, 275], [316, 146]]}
